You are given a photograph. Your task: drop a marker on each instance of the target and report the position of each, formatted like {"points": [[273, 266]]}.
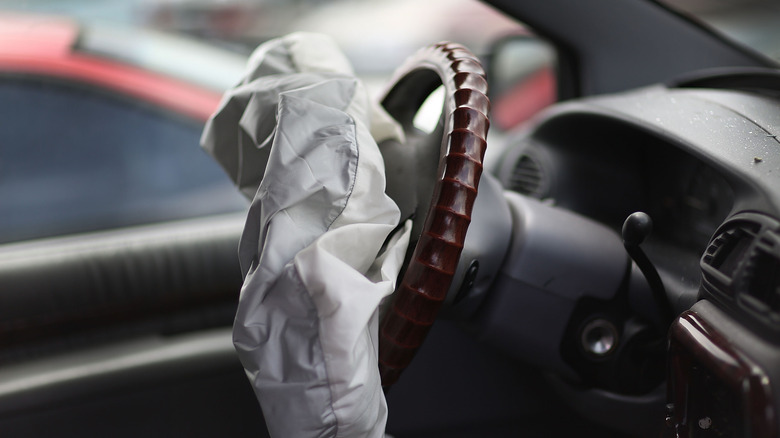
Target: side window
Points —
{"points": [[76, 159]]}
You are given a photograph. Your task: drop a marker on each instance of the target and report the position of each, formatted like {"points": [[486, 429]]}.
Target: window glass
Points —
{"points": [[753, 23], [75, 159]]}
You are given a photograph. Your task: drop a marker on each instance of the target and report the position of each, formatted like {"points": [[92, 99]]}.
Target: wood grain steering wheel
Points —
{"points": [[448, 165]]}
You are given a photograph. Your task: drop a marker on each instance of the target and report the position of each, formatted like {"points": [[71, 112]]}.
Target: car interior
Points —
{"points": [[619, 277]]}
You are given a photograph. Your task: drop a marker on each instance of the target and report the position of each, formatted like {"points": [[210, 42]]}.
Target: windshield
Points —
{"points": [[753, 23]]}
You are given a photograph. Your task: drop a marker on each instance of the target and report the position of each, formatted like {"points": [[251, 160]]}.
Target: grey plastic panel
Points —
{"points": [[563, 253], [556, 258], [725, 129], [487, 242]]}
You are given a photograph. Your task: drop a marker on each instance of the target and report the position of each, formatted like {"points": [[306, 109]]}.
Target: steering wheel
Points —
{"points": [[445, 167]]}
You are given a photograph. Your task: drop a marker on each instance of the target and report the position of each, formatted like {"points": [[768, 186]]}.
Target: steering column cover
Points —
{"points": [[557, 258]]}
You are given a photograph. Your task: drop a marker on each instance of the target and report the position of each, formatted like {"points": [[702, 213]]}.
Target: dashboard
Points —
{"points": [[688, 158], [703, 163]]}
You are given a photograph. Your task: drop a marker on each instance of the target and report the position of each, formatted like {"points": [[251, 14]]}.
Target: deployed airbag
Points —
{"points": [[299, 136]]}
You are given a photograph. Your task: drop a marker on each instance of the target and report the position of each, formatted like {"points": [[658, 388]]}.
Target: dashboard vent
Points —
{"points": [[527, 177], [759, 287], [728, 249], [741, 269], [723, 259]]}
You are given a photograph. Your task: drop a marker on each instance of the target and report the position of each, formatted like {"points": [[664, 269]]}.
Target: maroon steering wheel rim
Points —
{"points": [[429, 274]]}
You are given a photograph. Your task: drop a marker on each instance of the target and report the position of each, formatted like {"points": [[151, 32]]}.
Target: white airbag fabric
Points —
{"points": [[298, 136]]}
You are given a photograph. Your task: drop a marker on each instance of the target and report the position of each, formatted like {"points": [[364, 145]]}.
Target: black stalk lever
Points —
{"points": [[636, 228]]}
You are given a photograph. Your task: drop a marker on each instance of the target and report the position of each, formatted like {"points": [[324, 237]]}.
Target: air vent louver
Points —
{"points": [[726, 250], [741, 269], [527, 177], [725, 254], [760, 283]]}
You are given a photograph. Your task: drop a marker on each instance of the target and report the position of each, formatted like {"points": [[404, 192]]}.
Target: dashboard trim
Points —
{"points": [[693, 340]]}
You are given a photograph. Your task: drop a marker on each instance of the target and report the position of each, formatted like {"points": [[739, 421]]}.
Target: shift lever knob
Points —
{"points": [[636, 228]]}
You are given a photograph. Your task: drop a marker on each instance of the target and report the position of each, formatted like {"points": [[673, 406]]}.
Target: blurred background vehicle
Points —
{"points": [[101, 126]]}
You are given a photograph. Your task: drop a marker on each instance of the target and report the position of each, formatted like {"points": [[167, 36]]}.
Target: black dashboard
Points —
{"points": [[704, 164], [689, 158]]}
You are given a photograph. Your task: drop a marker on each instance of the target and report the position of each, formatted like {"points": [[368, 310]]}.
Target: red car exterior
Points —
{"points": [[46, 46]]}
